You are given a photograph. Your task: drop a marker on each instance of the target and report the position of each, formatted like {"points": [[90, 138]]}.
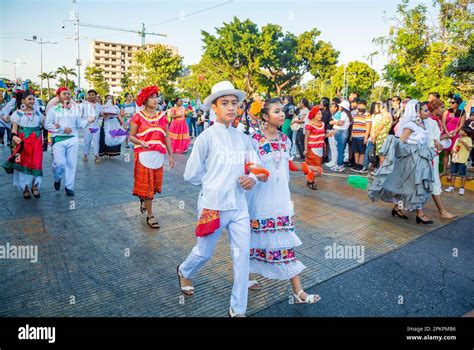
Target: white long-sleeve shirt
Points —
{"points": [[216, 163], [66, 118]]}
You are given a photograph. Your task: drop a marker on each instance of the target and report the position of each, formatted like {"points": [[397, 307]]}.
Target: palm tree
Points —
{"points": [[66, 72], [46, 76]]}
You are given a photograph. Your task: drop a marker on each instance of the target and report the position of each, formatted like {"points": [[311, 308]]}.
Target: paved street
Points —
{"points": [[97, 257]]}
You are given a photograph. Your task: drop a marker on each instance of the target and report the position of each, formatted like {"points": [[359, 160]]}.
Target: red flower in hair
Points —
{"points": [[145, 93], [313, 112]]}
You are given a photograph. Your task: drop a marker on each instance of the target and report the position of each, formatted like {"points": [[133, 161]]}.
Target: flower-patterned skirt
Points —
{"points": [[272, 243]]}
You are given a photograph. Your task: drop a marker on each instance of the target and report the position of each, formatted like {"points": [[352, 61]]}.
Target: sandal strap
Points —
{"points": [[312, 298]]}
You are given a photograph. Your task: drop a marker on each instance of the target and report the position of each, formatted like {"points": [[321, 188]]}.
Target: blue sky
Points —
{"points": [[349, 25]]}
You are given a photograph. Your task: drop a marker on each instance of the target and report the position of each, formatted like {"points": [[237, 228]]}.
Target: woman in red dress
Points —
{"points": [[149, 133]]}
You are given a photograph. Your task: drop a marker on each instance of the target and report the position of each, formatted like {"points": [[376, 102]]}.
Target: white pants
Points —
{"points": [[437, 182], [293, 144], [65, 160], [237, 224], [91, 138], [332, 149]]}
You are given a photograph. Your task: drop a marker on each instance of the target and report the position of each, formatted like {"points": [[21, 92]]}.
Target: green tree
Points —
{"points": [[126, 82], [421, 54], [235, 50], [462, 71], [313, 90], [66, 72], [158, 66], [96, 79], [204, 75], [70, 84], [48, 76], [359, 77], [260, 61], [285, 58]]}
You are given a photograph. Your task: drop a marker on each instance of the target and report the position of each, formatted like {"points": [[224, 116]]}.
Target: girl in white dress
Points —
{"points": [[273, 236]]}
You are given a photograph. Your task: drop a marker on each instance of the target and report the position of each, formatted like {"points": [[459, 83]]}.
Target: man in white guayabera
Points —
{"points": [[62, 121]]}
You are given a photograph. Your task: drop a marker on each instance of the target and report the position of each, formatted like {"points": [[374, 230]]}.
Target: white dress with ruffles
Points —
{"points": [[271, 212]]}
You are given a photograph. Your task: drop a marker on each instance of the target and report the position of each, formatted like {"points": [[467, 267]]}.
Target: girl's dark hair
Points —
{"points": [[372, 108], [457, 99], [398, 98], [467, 129], [305, 103], [336, 100], [325, 102], [419, 105], [266, 105], [458, 112], [176, 100], [21, 95], [290, 99]]}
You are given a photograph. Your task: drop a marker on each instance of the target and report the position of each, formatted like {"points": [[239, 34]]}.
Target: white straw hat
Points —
{"points": [[223, 88]]}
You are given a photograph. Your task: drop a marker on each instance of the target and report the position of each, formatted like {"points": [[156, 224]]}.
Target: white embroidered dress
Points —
{"points": [[273, 236]]}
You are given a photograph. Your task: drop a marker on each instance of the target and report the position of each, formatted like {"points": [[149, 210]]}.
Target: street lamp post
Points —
{"points": [[74, 17], [17, 63], [41, 43]]}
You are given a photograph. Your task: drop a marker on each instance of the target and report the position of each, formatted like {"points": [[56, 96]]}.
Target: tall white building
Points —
{"points": [[116, 59]]}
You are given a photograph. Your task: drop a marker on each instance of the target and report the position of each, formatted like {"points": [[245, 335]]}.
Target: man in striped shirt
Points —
{"points": [[360, 134]]}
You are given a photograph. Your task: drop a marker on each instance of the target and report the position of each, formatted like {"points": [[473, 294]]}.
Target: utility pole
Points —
{"points": [[74, 17], [41, 43]]}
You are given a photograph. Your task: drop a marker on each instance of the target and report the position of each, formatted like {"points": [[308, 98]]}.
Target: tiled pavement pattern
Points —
{"points": [[84, 268]]}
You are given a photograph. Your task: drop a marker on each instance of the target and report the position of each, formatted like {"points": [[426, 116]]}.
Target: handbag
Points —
{"points": [[373, 154]]}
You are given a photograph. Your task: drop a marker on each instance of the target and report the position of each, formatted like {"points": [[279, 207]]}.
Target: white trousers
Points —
{"points": [[93, 139], [437, 182], [293, 144], [65, 161], [237, 224], [332, 149]]}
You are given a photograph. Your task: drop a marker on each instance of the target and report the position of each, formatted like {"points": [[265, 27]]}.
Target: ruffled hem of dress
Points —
{"points": [[281, 272]]}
